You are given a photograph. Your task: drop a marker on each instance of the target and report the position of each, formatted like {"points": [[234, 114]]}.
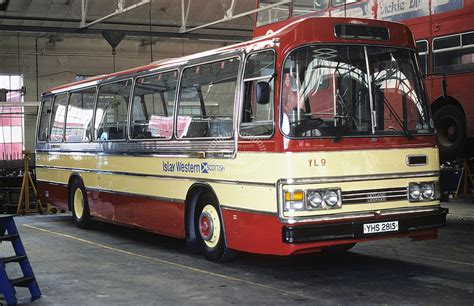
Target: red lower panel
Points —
{"points": [[57, 194], [150, 214], [262, 234]]}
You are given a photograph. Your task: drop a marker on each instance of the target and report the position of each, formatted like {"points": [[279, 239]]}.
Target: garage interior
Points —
{"points": [[48, 43]]}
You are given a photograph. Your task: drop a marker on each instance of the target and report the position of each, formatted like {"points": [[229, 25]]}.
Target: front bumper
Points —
{"points": [[353, 229]]}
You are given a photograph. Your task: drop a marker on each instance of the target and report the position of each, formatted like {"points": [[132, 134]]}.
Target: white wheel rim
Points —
{"points": [[78, 203], [209, 226]]}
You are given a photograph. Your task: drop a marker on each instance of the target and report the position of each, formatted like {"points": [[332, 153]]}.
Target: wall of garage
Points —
{"points": [[60, 59]]}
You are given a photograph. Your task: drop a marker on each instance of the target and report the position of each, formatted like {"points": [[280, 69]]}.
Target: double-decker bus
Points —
{"points": [[444, 33], [314, 137]]}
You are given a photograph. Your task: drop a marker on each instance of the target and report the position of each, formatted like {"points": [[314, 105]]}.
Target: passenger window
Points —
{"points": [[44, 120], [454, 54], [57, 118], [79, 115], [302, 7], [257, 117], [153, 106], [206, 100], [111, 112], [273, 14]]}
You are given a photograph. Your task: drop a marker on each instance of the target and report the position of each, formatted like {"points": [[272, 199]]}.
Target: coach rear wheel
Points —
{"points": [[209, 230], [79, 204], [451, 126]]}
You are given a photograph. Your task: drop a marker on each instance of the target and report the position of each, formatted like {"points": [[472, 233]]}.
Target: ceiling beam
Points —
{"points": [[119, 10], [111, 22], [89, 31]]}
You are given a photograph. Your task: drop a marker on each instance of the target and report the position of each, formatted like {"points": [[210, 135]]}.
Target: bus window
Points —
{"points": [[454, 54], [257, 119], [422, 47], [274, 14], [79, 115], [111, 112], [327, 93], [152, 106], [44, 120], [57, 118], [206, 99], [303, 7], [398, 96]]}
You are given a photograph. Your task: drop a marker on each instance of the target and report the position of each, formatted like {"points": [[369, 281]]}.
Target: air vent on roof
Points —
{"points": [[357, 31]]}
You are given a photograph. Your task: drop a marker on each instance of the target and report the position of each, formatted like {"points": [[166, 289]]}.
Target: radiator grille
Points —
{"points": [[374, 195]]}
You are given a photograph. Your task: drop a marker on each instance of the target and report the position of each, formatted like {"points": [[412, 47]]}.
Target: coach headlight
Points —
{"points": [[427, 191], [315, 200], [323, 199], [332, 198], [414, 192]]}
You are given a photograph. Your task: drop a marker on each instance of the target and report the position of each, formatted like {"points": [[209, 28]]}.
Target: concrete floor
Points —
{"points": [[112, 265]]}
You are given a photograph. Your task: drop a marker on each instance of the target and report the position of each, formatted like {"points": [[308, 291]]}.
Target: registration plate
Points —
{"points": [[381, 227]]}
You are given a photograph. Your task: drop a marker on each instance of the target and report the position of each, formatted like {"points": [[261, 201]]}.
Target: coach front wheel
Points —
{"points": [[79, 204], [210, 230]]}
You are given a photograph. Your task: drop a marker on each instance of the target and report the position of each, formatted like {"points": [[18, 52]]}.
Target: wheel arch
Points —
{"points": [[440, 102], [192, 196]]}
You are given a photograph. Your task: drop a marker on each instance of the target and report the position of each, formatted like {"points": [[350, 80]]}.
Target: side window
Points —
{"points": [[44, 120], [422, 47], [57, 118], [206, 99], [79, 115], [153, 105], [302, 7], [111, 112], [273, 14], [454, 54], [257, 116]]}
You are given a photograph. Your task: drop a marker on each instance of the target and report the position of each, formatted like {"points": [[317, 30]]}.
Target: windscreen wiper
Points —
{"points": [[343, 129]]}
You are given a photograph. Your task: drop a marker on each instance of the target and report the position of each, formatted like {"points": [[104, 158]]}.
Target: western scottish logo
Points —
{"points": [[186, 167]]}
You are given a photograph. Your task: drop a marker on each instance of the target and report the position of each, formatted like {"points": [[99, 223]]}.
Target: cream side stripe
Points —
{"points": [[82, 170], [264, 167], [170, 263]]}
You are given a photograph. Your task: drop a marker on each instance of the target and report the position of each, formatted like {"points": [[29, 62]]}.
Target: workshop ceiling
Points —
{"points": [[64, 16]]}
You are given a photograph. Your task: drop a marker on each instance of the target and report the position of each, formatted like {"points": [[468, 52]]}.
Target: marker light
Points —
{"points": [[294, 200]]}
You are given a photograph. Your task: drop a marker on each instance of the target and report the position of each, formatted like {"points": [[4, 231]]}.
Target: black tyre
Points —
{"points": [[451, 127], [340, 248], [209, 230], [79, 204]]}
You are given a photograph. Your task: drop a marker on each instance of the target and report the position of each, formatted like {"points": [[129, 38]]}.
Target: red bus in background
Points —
{"points": [[444, 34]]}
